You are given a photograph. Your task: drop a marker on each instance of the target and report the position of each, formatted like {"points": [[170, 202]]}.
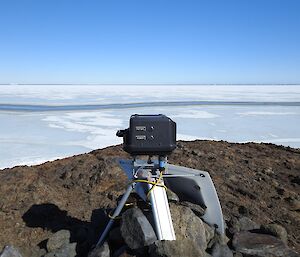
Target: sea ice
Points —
{"points": [[34, 137]]}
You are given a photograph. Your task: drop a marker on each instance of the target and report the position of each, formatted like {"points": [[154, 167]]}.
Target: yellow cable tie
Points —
{"points": [[113, 218], [148, 182], [156, 184], [129, 204]]}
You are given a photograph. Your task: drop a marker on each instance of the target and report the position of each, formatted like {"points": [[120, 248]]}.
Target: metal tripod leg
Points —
{"points": [[116, 213]]}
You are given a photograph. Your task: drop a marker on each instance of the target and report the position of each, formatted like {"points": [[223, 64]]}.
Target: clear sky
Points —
{"points": [[149, 41]]}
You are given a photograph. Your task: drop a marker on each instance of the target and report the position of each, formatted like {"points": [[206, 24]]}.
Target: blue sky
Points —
{"points": [[143, 41]]}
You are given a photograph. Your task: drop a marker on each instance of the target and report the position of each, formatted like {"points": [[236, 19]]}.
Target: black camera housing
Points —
{"points": [[149, 135]]}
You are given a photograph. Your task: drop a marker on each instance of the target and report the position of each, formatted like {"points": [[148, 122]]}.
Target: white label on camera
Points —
{"points": [[140, 128], [140, 137]]}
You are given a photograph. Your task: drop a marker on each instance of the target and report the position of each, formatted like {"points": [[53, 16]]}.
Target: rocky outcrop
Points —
{"points": [[258, 186]]}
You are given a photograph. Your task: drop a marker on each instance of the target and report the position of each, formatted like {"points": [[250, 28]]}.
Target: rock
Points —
{"points": [[10, 251], [237, 254], [275, 230], [136, 229], [177, 248], [219, 250], [188, 225], [197, 209], [209, 233], [222, 239], [219, 238], [58, 239], [197, 152], [247, 224], [42, 252], [101, 251], [295, 205], [172, 197], [260, 245], [242, 210], [32, 251], [280, 190], [242, 224], [68, 250]]}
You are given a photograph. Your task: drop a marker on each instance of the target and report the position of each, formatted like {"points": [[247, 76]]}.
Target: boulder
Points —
{"points": [[237, 254], [260, 245], [136, 229], [219, 250], [209, 233], [172, 197], [242, 224], [196, 208], [32, 251], [177, 248], [10, 251], [67, 250], [58, 239], [246, 224], [187, 225], [294, 205], [275, 230], [101, 251]]}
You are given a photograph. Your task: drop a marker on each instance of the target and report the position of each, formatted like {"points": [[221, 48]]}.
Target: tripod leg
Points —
{"points": [[116, 213]]}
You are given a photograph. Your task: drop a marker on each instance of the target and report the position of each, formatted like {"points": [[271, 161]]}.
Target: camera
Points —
{"points": [[149, 135]]}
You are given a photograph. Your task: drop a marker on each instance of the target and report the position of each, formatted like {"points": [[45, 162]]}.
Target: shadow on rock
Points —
{"points": [[50, 217]]}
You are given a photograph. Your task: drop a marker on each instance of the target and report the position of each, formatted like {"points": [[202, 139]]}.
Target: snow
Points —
{"points": [[88, 94], [34, 137]]}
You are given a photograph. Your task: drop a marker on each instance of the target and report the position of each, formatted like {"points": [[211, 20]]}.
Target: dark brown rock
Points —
{"points": [[68, 250], [261, 245], [275, 230], [242, 224], [188, 225], [209, 233], [172, 197], [220, 250], [136, 229], [58, 239], [178, 248], [197, 209]]}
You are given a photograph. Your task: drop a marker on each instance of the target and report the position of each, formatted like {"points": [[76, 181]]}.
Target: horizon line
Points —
{"points": [[153, 84], [91, 107]]}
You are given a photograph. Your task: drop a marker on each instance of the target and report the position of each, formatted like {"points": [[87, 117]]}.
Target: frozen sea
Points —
{"points": [[47, 122]]}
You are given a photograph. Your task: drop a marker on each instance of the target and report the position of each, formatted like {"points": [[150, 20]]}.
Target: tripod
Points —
{"points": [[139, 172], [195, 186]]}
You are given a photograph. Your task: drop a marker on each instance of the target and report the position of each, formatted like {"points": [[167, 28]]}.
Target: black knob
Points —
{"points": [[121, 133]]}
